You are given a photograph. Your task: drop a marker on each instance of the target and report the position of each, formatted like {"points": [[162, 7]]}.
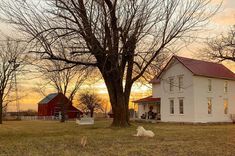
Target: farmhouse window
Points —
{"points": [[209, 85], [180, 78], [209, 103], [181, 106], [171, 83], [225, 106], [172, 106], [226, 86]]}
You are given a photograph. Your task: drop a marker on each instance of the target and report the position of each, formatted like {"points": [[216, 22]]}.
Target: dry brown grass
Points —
{"points": [[53, 138]]}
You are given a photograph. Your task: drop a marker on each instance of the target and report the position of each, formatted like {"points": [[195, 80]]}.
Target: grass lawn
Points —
{"points": [[25, 138]]}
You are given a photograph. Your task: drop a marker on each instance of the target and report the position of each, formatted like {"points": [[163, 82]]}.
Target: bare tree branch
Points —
{"points": [[221, 48]]}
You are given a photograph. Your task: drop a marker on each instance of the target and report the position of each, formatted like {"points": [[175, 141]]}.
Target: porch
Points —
{"points": [[148, 108]]}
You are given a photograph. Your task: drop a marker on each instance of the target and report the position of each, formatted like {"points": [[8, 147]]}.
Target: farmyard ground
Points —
{"points": [[54, 138]]}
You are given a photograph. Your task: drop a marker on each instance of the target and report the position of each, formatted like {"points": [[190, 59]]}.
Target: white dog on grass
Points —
{"points": [[142, 132]]}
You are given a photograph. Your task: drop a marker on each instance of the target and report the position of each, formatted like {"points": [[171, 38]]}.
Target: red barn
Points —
{"points": [[51, 106]]}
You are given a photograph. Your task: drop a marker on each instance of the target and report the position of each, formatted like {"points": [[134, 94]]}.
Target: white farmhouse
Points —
{"points": [[189, 90]]}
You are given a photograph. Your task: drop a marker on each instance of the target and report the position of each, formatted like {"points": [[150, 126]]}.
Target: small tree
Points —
{"points": [[222, 48], [12, 59], [90, 102]]}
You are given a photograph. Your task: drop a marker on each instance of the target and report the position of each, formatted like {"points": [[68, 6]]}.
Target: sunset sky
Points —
{"points": [[28, 84]]}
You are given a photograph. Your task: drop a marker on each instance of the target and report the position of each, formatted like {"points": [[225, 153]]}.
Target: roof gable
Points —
{"points": [[200, 68], [207, 69], [48, 98]]}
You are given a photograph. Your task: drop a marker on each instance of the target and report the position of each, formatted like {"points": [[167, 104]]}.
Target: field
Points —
{"points": [[44, 138]]}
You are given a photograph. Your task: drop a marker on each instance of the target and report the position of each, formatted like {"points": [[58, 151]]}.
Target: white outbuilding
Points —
{"points": [[189, 90]]}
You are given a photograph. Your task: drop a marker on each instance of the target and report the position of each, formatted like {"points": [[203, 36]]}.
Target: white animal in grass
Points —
{"points": [[142, 132]]}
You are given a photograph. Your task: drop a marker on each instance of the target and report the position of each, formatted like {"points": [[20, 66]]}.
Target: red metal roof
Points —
{"points": [[208, 69], [48, 98], [201, 68], [148, 99]]}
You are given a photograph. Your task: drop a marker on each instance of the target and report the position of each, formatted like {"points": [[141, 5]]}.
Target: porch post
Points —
{"points": [[146, 118]]}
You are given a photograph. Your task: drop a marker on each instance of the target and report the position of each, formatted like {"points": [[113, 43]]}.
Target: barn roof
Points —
{"points": [[201, 68], [48, 98]]}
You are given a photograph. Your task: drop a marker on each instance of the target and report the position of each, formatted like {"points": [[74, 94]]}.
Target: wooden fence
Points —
{"points": [[39, 118]]}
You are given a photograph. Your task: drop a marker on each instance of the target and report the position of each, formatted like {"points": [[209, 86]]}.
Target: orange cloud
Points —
{"points": [[225, 17]]}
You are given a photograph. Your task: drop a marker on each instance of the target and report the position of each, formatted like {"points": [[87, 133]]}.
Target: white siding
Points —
{"points": [[175, 70], [156, 90], [217, 95]]}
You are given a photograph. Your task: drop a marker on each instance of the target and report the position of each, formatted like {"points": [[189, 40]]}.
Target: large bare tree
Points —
{"points": [[222, 47], [12, 59], [121, 38]]}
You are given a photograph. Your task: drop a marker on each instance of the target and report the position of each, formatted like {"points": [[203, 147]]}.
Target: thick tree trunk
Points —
{"points": [[1, 114], [120, 105], [63, 112], [1, 105], [92, 112], [118, 94], [121, 114], [62, 116]]}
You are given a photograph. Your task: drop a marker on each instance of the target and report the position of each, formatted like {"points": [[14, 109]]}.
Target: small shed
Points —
{"points": [[51, 106]]}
